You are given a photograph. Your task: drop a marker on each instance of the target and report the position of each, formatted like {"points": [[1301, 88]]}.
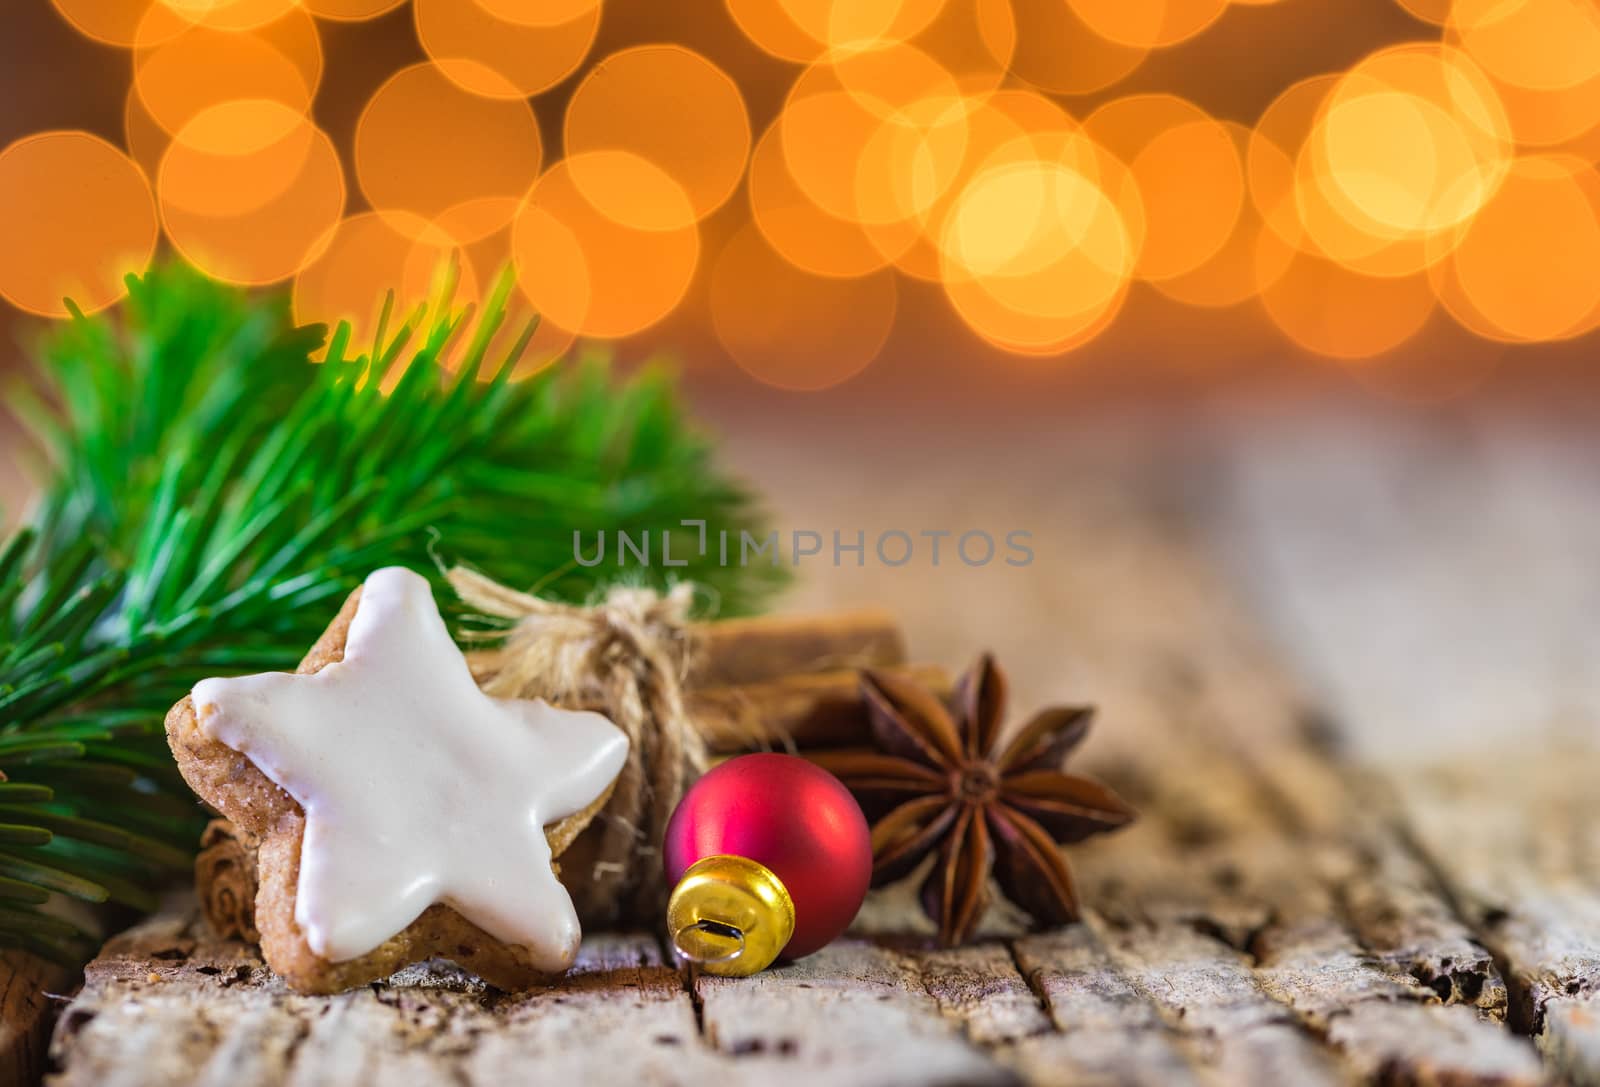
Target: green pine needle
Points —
{"points": [[211, 496]]}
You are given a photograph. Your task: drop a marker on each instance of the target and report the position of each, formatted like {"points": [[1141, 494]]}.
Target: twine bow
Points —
{"points": [[627, 657]]}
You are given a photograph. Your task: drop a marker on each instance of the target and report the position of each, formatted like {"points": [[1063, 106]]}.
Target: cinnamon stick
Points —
{"points": [[733, 652], [799, 711]]}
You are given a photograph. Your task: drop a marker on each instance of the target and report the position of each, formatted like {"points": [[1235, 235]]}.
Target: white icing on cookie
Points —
{"points": [[417, 787]]}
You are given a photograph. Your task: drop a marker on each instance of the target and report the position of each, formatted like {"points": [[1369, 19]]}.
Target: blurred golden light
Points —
{"points": [[1148, 23], [1570, 115], [804, 30], [1275, 144], [1339, 212], [1037, 257], [495, 152], [1189, 174], [1072, 149], [631, 191], [349, 11], [1544, 59], [235, 157], [370, 255], [877, 136], [1330, 310], [912, 156], [145, 139], [1375, 169], [231, 14], [1395, 161], [201, 66], [249, 190], [672, 106], [489, 257], [1411, 141], [909, 165], [1456, 172], [804, 234], [539, 12], [1528, 266], [367, 256], [121, 22], [1329, 229], [790, 329], [1014, 121], [770, 26], [1057, 51], [1436, 12], [843, 24], [508, 59], [1537, 44], [973, 40], [1241, 267], [77, 216], [602, 258]]}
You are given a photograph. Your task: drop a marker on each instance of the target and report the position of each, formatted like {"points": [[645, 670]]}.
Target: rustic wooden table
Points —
{"points": [[1349, 669]]}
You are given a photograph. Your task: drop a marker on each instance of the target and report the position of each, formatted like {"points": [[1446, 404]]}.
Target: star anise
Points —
{"points": [[940, 782]]}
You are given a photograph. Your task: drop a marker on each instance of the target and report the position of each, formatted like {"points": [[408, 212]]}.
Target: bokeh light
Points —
{"points": [[1330, 310], [973, 40], [810, 238], [769, 25], [1411, 141], [230, 14], [249, 190], [368, 255], [349, 11], [507, 59], [1528, 267], [1241, 266], [1543, 57], [77, 216], [804, 30], [1037, 257], [1148, 23], [1057, 51], [826, 331], [1376, 169], [145, 140], [201, 66], [1436, 12], [539, 13], [671, 106], [1029, 160], [1537, 44], [1275, 145], [875, 137], [608, 257], [1010, 125], [1189, 173], [494, 152], [121, 22]]}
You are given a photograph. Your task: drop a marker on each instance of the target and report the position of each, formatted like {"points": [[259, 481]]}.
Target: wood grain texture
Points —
{"points": [[1324, 887], [29, 989]]}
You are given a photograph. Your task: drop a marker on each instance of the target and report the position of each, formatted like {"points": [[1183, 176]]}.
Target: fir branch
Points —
{"points": [[213, 493]]}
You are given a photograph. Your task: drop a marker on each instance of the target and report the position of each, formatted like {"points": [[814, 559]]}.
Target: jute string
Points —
{"points": [[626, 657]]}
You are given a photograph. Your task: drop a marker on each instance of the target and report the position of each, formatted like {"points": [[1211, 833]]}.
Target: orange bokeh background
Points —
{"points": [[800, 191]]}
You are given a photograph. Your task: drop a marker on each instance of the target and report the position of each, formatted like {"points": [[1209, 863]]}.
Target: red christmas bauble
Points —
{"points": [[791, 816]]}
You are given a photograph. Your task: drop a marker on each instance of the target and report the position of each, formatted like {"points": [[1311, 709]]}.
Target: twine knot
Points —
{"points": [[626, 657]]}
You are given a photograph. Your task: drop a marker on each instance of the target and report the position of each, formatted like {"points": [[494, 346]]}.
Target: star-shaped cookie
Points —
{"points": [[403, 813]]}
